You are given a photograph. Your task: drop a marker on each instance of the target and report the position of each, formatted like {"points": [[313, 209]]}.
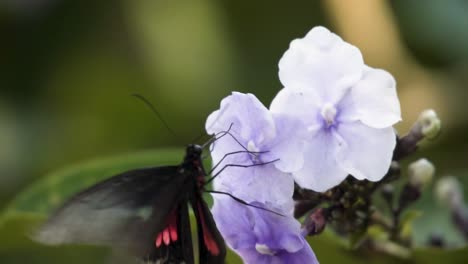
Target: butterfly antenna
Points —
{"points": [[244, 202], [198, 138], [153, 109]]}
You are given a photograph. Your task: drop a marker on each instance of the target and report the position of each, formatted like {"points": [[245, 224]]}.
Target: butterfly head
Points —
{"points": [[193, 152]]}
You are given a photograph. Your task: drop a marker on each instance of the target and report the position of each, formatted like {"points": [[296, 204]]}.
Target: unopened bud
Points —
{"points": [[426, 126], [429, 123], [314, 222], [448, 192], [408, 195], [420, 173]]}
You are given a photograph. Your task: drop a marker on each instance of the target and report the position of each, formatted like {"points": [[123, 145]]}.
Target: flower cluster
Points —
{"points": [[333, 118]]}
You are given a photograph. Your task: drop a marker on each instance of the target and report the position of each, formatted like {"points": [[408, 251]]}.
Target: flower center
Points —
{"points": [[328, 113], [264, 249], [252, 147]]}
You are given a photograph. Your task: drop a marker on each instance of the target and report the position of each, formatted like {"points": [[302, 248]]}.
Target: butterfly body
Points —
{"points": [[144, 211]]}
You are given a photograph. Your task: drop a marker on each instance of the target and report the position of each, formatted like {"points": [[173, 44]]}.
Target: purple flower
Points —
{"points": [[347, 109], [259, 236], [269, 144]]}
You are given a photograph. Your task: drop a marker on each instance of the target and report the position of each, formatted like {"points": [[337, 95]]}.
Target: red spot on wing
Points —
{"points": [[166, 237], [158, 240], [173, 232], [210, 243], [169, 233]]}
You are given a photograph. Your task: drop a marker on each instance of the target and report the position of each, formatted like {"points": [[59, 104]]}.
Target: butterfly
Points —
{"points": [[144, 211]]}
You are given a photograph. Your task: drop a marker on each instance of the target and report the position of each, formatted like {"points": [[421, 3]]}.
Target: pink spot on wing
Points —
{"points": [[169, 233], [159, 240], [173, 232], [166, 237]]}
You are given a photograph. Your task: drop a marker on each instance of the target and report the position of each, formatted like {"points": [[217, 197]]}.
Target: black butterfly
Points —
{"points": [[144, 211]]}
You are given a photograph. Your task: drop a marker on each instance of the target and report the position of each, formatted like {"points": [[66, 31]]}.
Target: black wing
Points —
{"points": [[174, 243], [212, 249], [126, 211]]}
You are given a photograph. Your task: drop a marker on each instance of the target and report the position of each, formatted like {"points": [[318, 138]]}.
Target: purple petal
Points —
{"points": [[259, 236], [291, 243], [239, 109], [234, 221], [264, 184], [305, 255]]}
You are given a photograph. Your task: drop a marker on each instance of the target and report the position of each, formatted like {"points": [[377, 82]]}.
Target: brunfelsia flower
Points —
{"points": [[348, 110], [260, 236], [265, 142]]}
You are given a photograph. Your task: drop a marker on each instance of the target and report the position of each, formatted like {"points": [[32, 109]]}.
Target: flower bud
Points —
{"points": [[426, 126], [429, 123], [448, 192], [420, 173], [314, 223]]}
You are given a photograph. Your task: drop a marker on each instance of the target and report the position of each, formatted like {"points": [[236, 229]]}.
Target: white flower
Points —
{"points": [[347, 108]]}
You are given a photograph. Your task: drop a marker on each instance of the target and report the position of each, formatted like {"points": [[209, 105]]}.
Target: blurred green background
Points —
{"points": [[68, 67]]}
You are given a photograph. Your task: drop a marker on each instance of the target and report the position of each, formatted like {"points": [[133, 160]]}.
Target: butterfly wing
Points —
{"points": [[212, 249], [174, 243], [125, 211]]}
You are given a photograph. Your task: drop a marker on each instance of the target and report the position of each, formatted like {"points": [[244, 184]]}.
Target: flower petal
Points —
{"points": [[251, 256], [291, 243], [234, 221], [302, 104], [288, 146], [305, 255], [321, 171], [247, 229], [373, 100], [265, 184], [369, 150], [321, 61], [238, 109]]}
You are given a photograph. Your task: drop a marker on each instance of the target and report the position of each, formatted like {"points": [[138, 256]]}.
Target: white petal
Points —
{"points": [[303, 104], [288, 145], [321, 171], [373, 100], [321, 61], [369, 150]]}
